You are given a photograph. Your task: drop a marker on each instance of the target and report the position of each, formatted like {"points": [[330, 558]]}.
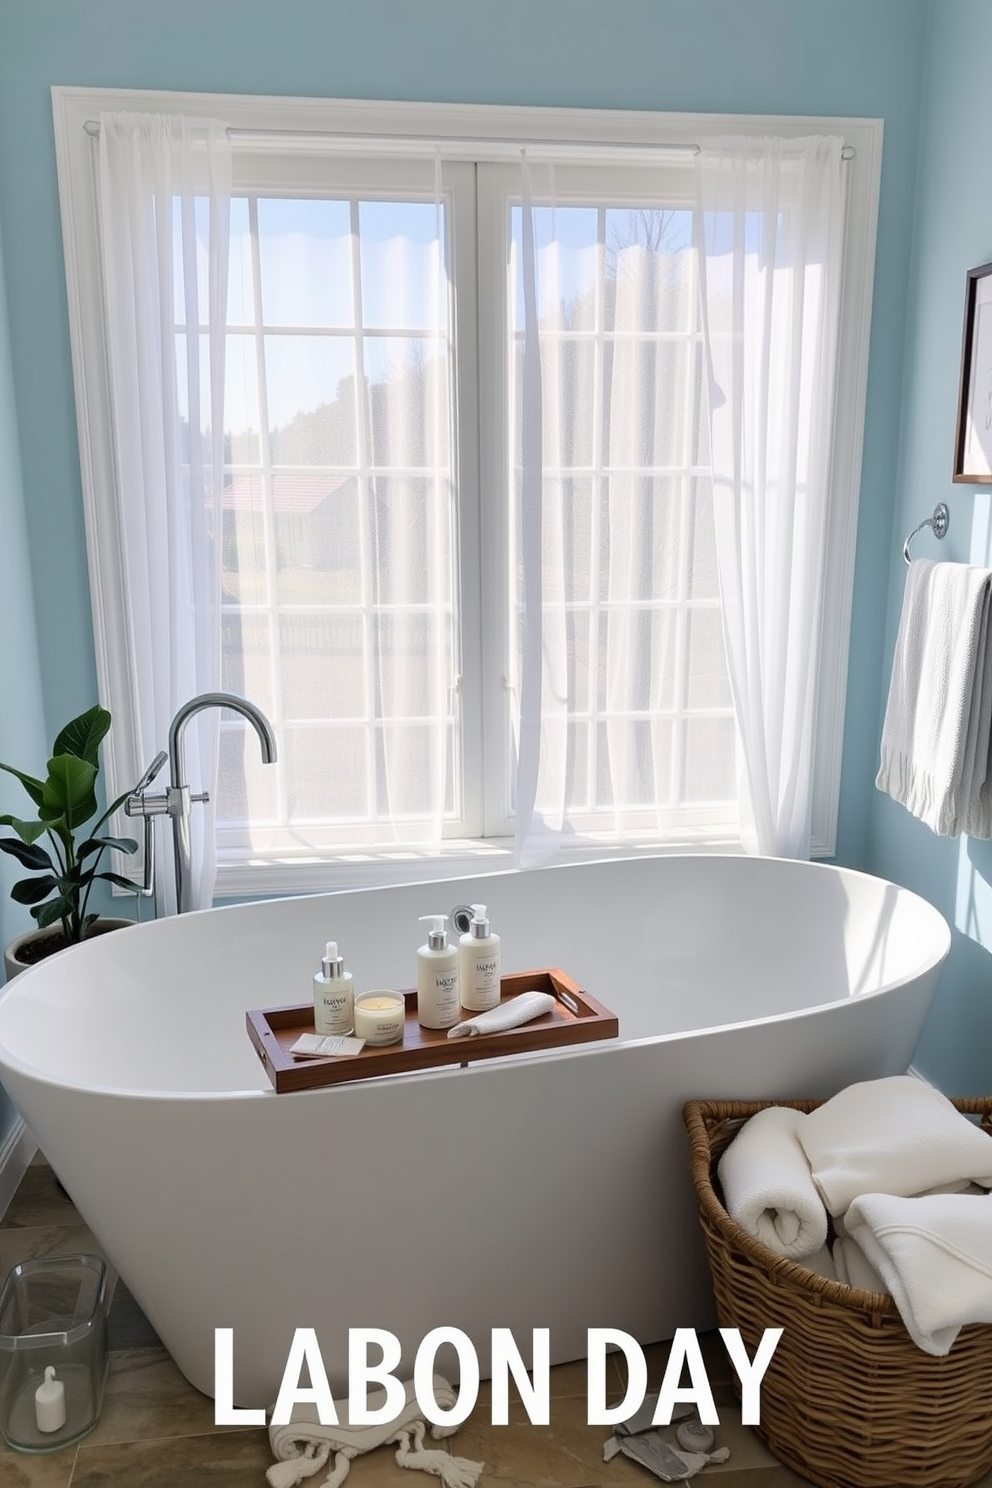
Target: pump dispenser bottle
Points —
{"points": [[478, 964], [333, 994], [437, 977]]}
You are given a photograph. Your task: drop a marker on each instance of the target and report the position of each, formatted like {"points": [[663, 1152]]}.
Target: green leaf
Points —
{"points": [[96, 844], [31, 890], [83, 736], [30, 856], [68, 791], [56, 909], [34, 788], [28, 831], [115, 878], [88, 921]]}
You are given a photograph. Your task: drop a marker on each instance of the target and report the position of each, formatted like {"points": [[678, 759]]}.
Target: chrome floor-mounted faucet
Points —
{"points": [[176, 801]]}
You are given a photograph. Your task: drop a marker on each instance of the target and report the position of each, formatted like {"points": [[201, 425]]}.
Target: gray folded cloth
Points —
{"points": [[656, 1455], [669, 1464]]}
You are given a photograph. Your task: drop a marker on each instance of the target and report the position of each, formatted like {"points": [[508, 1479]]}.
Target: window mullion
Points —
{"points": [[268, 508], [366, 526], [600, 486], [685, 612]]}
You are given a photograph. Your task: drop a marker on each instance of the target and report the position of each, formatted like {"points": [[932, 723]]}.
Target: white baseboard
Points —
{"points": [[15, 1157]]}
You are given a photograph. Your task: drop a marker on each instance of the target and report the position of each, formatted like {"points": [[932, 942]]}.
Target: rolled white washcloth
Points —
{"points": [[768, 1187], [508, 1015]]}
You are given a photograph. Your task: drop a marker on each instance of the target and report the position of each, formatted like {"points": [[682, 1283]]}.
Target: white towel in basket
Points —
{"points": [[853, 1268], [767, 1184], [935, 1256], [935, 751], [897, 1135]]}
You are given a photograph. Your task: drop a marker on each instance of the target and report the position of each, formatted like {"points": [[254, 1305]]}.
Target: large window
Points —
{"points": [[373, 541], [340, 512]]}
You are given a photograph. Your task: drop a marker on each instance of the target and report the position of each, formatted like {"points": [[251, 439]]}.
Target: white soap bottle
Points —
{"points": [[333, 994], [437, 977], [478, 964]]}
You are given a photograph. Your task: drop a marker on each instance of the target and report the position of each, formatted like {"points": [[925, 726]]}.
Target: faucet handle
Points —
{"points": [[140, 803], [160, 759]]}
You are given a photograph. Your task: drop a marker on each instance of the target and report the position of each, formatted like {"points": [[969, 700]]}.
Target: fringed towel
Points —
{"points": [[304, 1446], [768, 1187], [937, 734], [934, 1255], [896, 1135]]}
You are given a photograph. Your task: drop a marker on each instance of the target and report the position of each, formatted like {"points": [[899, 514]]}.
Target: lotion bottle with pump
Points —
{"points": [[333, 994], [437, 977], [478, 964]]}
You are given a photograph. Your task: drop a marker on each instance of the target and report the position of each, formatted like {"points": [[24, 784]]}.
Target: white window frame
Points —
{"points": [[478, 133]]}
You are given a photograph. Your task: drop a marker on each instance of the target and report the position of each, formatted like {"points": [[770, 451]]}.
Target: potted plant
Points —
{"points": [[64, 871]]}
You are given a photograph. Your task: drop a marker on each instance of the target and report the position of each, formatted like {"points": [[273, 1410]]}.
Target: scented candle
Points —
{"points": [[380, 1017]]}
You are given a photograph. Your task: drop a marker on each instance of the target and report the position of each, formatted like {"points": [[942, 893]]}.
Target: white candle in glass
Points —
{"points": [[49, 1402], [380, 1017]]}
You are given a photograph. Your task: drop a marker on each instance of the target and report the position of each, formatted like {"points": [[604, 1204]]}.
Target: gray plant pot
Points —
{"points": [[12, 952]]}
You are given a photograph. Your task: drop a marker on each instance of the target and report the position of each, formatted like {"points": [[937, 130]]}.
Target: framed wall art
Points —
{"points": [[973, 441]]}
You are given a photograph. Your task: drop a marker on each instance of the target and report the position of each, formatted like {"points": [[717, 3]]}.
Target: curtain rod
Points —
{"points": [[419, 141]]}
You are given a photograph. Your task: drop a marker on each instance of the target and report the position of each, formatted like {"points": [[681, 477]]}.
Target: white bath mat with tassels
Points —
{"points": [[304, 1446]]}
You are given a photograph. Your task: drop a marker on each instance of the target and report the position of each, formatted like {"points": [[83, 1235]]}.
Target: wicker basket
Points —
{"points": [[848, 1400]]}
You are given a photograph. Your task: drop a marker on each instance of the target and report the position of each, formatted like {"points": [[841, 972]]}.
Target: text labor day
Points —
{"points": [[533, 1385]]}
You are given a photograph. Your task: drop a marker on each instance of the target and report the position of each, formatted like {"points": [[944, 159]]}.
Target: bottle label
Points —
{"points": [[333, 1012], [482, 992], [443, 1008]]}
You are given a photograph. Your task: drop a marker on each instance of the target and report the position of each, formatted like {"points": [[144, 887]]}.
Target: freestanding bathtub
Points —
{"points": [[545, 1190]]}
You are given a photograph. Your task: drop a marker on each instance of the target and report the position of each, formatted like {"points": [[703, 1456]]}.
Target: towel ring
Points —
{"points": [[939, 522]]}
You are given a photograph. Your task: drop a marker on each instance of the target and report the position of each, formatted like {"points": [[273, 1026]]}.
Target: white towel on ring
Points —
{"points": [[305, 1445], [767, 1185], [934, 1254], [935, 750], [896, 1135]]}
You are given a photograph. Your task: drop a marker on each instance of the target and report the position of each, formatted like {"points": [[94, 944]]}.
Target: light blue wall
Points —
{"points": [[953, 233], [22, 734]]}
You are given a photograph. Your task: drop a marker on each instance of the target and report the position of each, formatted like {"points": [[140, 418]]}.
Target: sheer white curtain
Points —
{"points": [[769, 224], [339, 592], [164, 189], [542, 685], [607, 601], [407, 491]]}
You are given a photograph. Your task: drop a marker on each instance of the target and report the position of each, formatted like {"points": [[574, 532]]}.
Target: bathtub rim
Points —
{"points": [[20, 989]]}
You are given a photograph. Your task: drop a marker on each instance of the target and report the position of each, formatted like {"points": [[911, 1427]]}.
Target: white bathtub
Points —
{"points": [[539, 1191]]}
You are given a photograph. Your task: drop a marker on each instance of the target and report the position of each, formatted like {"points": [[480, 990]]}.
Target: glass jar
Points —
{"points": [[53, 1316]]}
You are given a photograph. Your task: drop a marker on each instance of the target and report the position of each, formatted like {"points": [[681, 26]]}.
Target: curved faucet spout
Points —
{"points": [[179, 794]]}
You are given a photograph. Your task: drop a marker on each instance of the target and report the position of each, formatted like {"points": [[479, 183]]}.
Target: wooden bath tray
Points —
{"points": [[274, 1030]]}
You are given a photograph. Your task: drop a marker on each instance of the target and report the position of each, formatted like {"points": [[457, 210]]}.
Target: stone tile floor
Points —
{"points": [[156, 1431]]}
